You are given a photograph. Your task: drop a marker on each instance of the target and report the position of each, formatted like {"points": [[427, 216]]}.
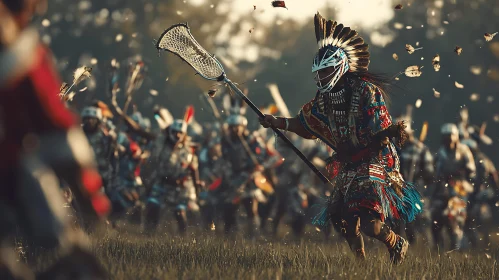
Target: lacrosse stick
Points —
{"points": [[178, 40]]}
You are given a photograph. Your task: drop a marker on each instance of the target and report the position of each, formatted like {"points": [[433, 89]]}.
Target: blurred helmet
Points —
{"points": [[92, 112], [449, 128], [234, 120], [177, 126]]}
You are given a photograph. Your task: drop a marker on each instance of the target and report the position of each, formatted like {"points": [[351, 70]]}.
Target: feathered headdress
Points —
{"points": [[332, 34]]}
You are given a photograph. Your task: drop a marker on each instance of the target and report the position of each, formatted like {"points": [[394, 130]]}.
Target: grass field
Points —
{"points": [[210, 256]]}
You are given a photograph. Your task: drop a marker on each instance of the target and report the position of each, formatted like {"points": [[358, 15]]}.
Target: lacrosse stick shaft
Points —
{"points": [[277, 131]]}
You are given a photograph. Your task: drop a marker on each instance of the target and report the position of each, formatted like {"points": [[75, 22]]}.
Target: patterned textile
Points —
{"points": [[363, 177]]}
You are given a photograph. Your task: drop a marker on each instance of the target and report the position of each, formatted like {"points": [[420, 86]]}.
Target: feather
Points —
{"points": [[317, 21], [337, 32], [355, 42], [329, 24], [360, 48], [81, 74], [323, 26], [348, 38], [343, 33]]}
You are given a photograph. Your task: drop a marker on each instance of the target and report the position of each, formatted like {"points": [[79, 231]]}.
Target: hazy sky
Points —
{"points": [[366, 15]]}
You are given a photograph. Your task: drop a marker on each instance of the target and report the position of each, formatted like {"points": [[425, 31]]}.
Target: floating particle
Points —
{"points": [[496, 119], [476, 70], [408, 27], [436, 63], [413, 71], [458, 50], [410, 49], [446, 22], [488, 37], [398, 25], [418, 103], [490, 99], [118, 38], [279, 4], [395, 56], [399, 7], [46, 23], [458, 85], [436, 93], [93, 61], [474, 97], [153, 92], [83, 89]]}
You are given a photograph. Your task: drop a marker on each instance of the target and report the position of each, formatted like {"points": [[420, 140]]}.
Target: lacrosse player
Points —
{"points": [[349, 114]]}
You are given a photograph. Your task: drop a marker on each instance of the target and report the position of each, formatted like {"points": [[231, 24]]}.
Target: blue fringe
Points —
{"points": [[408, 206], [324, 216]]}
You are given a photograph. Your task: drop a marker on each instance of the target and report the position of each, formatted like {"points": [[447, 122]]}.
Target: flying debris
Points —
{"points": [[458, 50], [399, 7], [436, 63], [413, 71], [212, 92], [153, 92], [279, 4], [418, 104], [395, 56], [251, 30], [46, 23], [458, 85], [254, 7], [118, 38], [489, 37], [474, 97], [81, 74], [436, 93], [410, 49], [83, 89], [476, 70]]}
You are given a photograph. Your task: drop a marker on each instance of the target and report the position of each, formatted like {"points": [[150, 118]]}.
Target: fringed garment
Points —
{"points": [[365, 166]]}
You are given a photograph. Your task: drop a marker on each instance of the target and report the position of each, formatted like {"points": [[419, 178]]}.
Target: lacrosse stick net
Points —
{"points": [[179, 40]]}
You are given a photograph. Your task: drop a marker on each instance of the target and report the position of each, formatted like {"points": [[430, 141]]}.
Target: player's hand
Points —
{"points": [[268, 121]]}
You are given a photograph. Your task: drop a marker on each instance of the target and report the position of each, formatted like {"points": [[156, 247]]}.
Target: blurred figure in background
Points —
{"points": [[42, 147], [176, 181], [482, 201], [416, 166], [454, 172]]}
